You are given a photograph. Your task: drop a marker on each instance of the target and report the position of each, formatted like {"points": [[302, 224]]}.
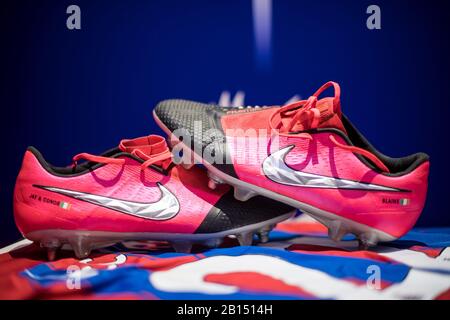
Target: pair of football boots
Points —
{"points": [[258, 165]]}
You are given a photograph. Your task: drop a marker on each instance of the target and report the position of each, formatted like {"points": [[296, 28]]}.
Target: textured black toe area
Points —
{"points": [[183, 114], [229, 213], [201, 123]]}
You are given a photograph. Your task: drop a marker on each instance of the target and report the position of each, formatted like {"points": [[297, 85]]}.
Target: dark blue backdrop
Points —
{"points": [[67, 92]]}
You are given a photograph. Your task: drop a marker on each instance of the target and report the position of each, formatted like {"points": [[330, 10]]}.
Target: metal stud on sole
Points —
{"points": [[52, 246], [245, 239], [263, 233], [81, 246], [243, 195], [263, 236], [367, 240], [336, 230], [214, 180]]}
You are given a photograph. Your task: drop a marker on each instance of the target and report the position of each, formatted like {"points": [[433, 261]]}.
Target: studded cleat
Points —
{"points": [[132, 192], [306, 154]]}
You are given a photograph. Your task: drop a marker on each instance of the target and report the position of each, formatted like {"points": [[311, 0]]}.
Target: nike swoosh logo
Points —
{"points": [[165, 208], [276, 169]]}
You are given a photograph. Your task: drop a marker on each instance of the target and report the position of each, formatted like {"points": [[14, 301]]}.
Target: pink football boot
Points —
{"points": [[133, 192], [307, 155]]}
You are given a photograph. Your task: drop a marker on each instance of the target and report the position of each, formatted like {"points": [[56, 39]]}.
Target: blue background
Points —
{"points": [[70, 91]]}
